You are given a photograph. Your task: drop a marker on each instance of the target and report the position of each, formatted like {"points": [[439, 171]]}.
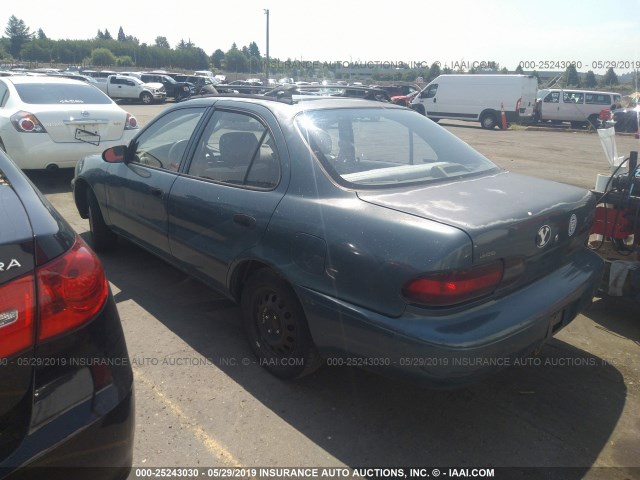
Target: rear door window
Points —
{"points": [[237, 149]]}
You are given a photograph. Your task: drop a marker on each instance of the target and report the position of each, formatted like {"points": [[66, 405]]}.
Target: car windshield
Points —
{"points": [[373, 147], [61, 93]]}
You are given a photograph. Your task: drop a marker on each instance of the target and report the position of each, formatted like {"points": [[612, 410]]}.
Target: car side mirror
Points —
{"points": [[114, 154]]}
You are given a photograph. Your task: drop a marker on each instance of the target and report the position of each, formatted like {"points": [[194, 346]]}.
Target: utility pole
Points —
{"points": [[266, 11]]}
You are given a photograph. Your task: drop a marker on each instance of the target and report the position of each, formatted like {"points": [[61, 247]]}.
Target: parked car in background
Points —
{"points": [[82, 78], [350, 229], [404, 100], [627, 119], [51, 122], [399, 89], [579, 107], [176, 90], [123, 87], [67, 387], [203, 85]]}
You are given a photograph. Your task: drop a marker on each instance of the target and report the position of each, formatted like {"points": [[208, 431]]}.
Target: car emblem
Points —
{"points": [[543, 236], [84, 113], [573, 223]]}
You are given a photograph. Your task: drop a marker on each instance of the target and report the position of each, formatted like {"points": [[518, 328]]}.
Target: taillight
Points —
{"points": [[26, 122], [71, 290], [131, 123], [450, 288], [17, 314]]}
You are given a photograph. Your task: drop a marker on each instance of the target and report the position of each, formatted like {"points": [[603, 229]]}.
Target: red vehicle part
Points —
{"points": [[614, 222]]}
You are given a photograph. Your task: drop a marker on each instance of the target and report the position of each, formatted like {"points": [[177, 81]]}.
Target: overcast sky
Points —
{"points": [[505, 31]]}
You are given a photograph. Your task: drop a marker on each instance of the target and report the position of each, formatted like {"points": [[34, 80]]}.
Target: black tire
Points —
{"points": [[102, 238], [146, 98], [594, 121], [577, 125], [276, 327], [488, 121]]}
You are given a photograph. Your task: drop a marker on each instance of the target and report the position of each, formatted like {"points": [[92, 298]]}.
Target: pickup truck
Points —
{"points": [[175, 90], [121, 87]]}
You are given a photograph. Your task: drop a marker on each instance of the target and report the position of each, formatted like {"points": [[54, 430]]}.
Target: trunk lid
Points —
{"points": [[89, 123], [507, 216]]}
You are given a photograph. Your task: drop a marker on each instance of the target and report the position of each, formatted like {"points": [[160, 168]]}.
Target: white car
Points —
{"points": [[51, 122]]}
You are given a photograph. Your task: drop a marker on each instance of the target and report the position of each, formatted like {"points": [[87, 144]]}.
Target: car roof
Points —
{"points": [[295, 106]]}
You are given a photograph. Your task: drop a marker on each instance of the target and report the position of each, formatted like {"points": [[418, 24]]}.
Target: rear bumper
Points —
{"points": [[82, 407], [446, 350], [37, 151], [102, 450]]}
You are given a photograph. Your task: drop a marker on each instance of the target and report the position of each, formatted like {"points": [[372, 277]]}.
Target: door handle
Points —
{"points": [[434, 99], [244, 220], [156, 192]]}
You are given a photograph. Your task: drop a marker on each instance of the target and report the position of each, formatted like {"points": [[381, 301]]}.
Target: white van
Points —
{"points": [[579, 107], [479, 98]]}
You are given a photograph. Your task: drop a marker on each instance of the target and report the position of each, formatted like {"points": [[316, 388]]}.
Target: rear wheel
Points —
{"points": [[146, 98], [488, 121], [102, 238], [276, 326]]}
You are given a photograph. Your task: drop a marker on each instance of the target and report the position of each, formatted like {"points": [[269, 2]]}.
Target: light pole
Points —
{"points": [[266, 11]]}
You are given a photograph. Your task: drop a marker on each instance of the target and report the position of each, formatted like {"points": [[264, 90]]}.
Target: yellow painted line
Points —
{"points": [[210, 443]]}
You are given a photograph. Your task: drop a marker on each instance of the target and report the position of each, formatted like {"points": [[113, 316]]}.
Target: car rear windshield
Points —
{"points": [[376, 147], [61, 94]]}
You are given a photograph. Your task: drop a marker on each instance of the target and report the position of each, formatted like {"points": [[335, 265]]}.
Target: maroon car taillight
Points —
{"points": [[17, 315], [71, 290], [131, 123], [26, 122], [453, 287]]}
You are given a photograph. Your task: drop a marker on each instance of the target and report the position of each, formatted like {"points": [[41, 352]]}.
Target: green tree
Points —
{"points": [[519, 69], [217, 58], [254, 51], [102, 57], [99, 35], [37, 51], [434, 71], [107, 35], [40, 35], [590, 80], [125, 61], [162, 42], [571, 76], [18, 34], [121, 36], [610, 78], [235, 60]]}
